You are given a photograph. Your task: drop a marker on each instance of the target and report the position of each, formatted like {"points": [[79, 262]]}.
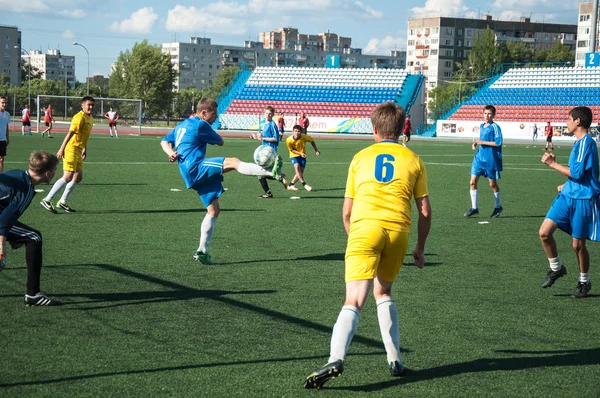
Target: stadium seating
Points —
{"points": [[536, 95], [318, 92]]}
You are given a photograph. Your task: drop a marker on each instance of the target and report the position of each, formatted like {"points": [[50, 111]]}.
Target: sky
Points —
{"points": [[108, 27]]}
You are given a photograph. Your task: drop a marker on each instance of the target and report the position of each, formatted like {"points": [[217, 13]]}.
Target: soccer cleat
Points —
{"points": [[204, 258], [49, 136], [266, 196], [307, 187], [553, 276], [471, 212], [48, 206], [397, 370], [277, 169], [582, 290], [330, 371], [292, 188], [65, 207], [281, 178], [40, 299], [496, 212]]}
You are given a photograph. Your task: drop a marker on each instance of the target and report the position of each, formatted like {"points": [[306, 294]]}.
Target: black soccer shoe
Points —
{"points": [[397, 370], [553, 276], [471, 212], [330, 371], [41, 299], [582, 290], [496, 212], [66, 207]]}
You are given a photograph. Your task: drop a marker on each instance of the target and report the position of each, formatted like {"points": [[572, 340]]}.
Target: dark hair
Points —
{"points": [[270, 109], [388, 118], [206, 104], [87, 98], [490, 108], [297, 127], [584, 114], [41, 162]]}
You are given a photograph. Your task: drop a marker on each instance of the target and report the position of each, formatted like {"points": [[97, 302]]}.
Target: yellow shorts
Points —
{"points": [[374, 251], [73, 160]]}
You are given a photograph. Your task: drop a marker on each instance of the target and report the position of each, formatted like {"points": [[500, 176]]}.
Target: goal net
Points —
{"points": [[65, 107]]}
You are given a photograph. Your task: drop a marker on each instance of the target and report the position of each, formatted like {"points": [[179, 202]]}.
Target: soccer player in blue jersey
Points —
{"points": [[487, 161], [576, 209], [17, 188], [269, 136], [186, 144]]}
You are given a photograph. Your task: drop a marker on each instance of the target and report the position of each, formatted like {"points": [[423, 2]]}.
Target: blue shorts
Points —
{"points": [[299, 160], [210, 176], [478, 170], [580, 218]]}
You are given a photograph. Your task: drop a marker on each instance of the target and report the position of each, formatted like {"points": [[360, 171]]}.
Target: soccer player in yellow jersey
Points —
{"points": [[382, 179], [73, 153], [296, 144]]}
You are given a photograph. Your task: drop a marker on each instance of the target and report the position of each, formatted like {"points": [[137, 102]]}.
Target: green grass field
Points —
{"points": [[143, 319]]}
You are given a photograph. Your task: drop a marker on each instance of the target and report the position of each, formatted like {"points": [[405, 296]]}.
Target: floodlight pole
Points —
{"points": [[87, 79], [28, 75]]}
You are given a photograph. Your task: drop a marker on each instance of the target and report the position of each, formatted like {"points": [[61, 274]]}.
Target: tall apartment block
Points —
{"points": [[436, 45], [584, 27], [10, 39]]}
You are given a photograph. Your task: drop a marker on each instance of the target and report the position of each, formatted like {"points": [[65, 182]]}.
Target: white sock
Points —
{"points": [[58, 185], [387, 313], [497, 199], [116, 133], [584, 277], [473, 199], [68, 191], [23, 130], [110, 131], [206, 230], [251, 169], [343, 332], [555, 264]]}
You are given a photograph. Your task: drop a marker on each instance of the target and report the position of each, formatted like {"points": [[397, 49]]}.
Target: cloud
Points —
{"points": [[455, 8], [236, 18], [67, 34], [41, 7], [383, 46], [140, 22]]}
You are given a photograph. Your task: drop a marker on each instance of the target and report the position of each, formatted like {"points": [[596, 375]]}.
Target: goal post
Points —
{"points": [[65, 107]]}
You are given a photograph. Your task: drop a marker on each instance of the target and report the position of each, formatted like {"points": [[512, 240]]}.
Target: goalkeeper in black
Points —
{"points": [[16, 193]]}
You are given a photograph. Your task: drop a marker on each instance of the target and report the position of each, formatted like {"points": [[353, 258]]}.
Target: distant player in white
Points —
{"points": [[112, 117], [26, 120]]}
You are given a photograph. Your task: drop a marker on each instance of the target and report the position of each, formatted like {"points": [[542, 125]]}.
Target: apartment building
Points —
{"points": [[584, 27], [10, 40], [53, 65], [436, 45]]}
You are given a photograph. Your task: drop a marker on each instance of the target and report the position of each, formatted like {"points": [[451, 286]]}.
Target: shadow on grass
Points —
{"points": [[539, 359], [172, 369], [322, 197], [116, 184]]}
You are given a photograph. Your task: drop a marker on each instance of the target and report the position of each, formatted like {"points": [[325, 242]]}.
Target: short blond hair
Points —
{"points": [[388, 118], [206, 104], [41, 162]]}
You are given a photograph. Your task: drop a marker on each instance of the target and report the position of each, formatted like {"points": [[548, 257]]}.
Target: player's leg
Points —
{"points": [[68, 173], [297, 175], [584, 284], [23, 129], [21, 234], [390, 263], [474, 209], [557, 215], [49, 130], [77, 177], [493, 182], [252, 169], [29, 127], [301, 173], [206, 231], [115, 129]]}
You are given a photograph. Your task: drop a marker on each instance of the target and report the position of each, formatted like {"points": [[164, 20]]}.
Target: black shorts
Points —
{"points": [[48, 124], [549, 138], [112, 124], [27, 124], [2, 148], [407, 135]]}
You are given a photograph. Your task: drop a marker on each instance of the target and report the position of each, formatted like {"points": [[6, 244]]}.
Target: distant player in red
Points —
{"points": [[406, 131], [548, 134], [26, 120], [303, 122], [48, 119], [112, 117], [281, 125]]}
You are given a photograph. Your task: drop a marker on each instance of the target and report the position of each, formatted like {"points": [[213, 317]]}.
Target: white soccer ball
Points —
{"points": [[265, 156]]}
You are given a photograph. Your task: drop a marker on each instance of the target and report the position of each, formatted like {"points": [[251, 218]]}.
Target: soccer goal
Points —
{"points": [[65, 107]]}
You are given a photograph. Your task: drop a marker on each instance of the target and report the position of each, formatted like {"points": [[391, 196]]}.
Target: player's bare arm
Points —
{"points": [[61, 152], [424, 225], [550, 160], [346, 213], [167, 147]]}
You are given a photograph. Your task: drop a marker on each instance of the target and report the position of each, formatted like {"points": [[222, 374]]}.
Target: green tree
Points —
{"points": [[517, 51], [145, 73], [561, 53], [186, 100], [36, 73], [485, 53], [220, 81]]}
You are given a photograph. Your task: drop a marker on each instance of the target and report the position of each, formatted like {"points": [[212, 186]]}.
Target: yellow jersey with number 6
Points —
{"points": [[382, 179]]}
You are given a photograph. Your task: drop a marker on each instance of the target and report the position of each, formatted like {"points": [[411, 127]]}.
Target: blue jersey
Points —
{"points": [[583, 165], [271, 131], [16, 193], [189, 139], [488, 157]]}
